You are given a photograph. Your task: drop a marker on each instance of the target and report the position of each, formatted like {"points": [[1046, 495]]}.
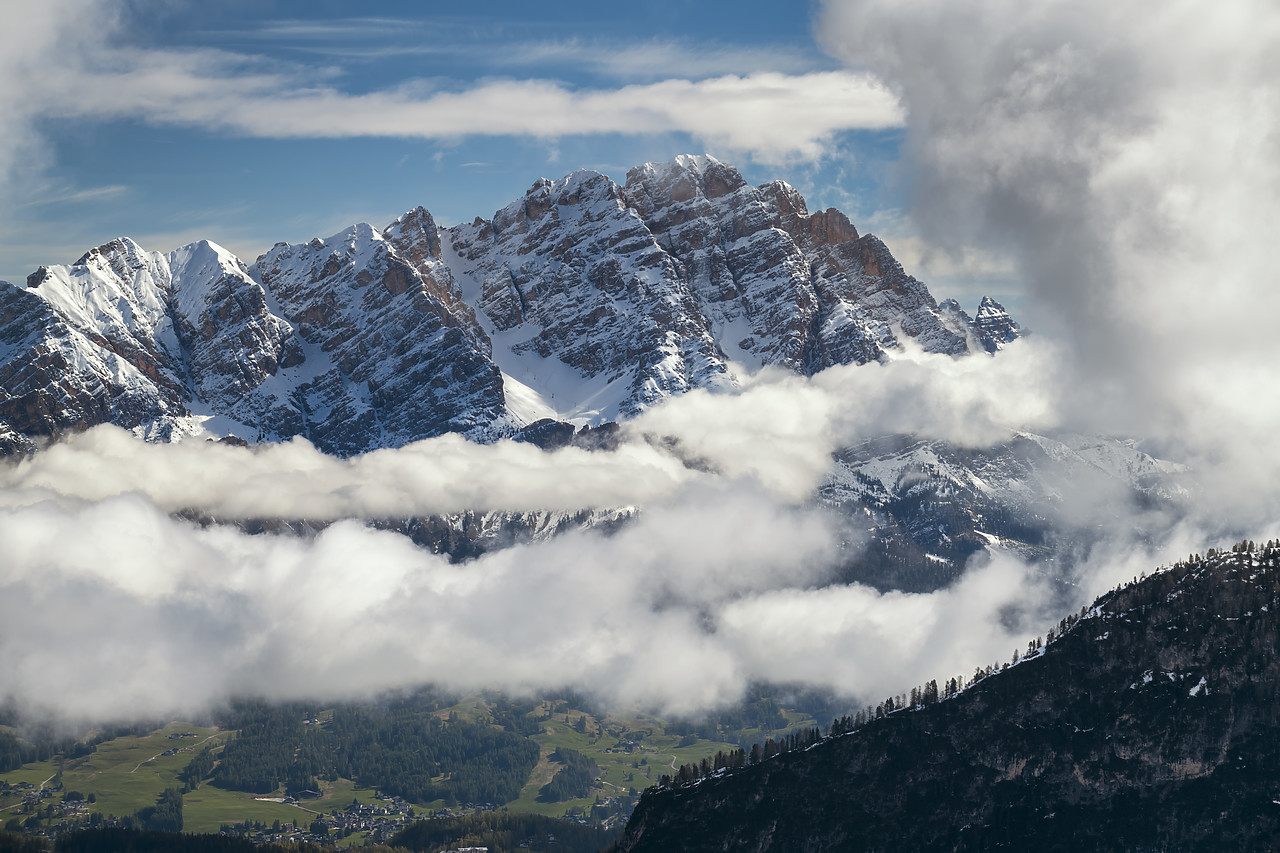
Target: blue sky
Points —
{"points": [[252, 122]]}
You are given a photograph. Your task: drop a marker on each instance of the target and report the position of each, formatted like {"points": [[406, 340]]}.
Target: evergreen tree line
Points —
{"points": [[1244, 553], [503, 832], [197, 770], [14, 842], [732, 760], [400, 748], [15, 752], [571, 781], [45, 744], [165, 815], [917, 698]]}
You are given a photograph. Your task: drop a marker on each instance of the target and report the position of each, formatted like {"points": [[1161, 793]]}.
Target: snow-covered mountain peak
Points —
{"points": [[197, 270], [117, 286], [123, 256], [686, 178], [415, 236], [582, 300], [994, 325], [357, 239], [578, 194], [198, 264]]}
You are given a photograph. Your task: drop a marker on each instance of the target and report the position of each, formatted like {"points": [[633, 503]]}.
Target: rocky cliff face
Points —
{"points": [[780, 285], [92, 343], [229, 341], [990, 330], [928, 506], [1150, 724], [396, 355], [584, 301]]}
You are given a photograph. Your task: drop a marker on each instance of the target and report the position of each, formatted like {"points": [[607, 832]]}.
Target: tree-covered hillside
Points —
{"points": [[1152, 723]]}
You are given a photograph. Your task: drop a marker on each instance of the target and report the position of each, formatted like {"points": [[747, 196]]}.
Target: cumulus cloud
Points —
{"points": [[781, 429], [1125, 156], [776, 434], [140, 613], [294, 480], [111, 606], [158, 616], [853, 638]]}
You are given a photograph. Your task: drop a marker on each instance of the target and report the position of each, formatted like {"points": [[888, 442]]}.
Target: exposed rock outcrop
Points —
{"points": [[582, 302]]}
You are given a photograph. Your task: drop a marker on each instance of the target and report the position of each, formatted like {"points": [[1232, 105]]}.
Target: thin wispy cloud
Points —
{"points": [[468, 43], [656, 59], [768, 115], [720, 96], [75, 196], [337, 30]]}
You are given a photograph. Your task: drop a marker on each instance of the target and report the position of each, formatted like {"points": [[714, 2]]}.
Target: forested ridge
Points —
{"points": [[43, 741], [504, 833], [574, 778], [400, 746], [1152, 722]]}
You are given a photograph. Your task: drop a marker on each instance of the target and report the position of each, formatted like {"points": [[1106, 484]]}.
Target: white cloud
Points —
{"points": [[294, 480], [781, 430], [54, 68], [769, 115], [776, 435], [851, 637], [1124, 156], [139, 613], [154, 615]]}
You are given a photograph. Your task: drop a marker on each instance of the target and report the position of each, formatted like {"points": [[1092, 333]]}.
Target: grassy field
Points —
{"points": [[128, 773], [621, 772]]}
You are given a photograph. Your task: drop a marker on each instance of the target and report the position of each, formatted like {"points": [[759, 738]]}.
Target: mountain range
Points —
{"points": [[582, 302], [586, 302]]}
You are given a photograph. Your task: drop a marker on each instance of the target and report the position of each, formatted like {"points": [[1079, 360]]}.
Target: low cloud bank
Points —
{"points": [[776, 435], [111, 606], [115, 609]]}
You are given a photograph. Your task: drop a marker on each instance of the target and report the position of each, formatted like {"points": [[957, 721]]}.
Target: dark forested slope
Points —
{"points": [[1153, 723]]}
